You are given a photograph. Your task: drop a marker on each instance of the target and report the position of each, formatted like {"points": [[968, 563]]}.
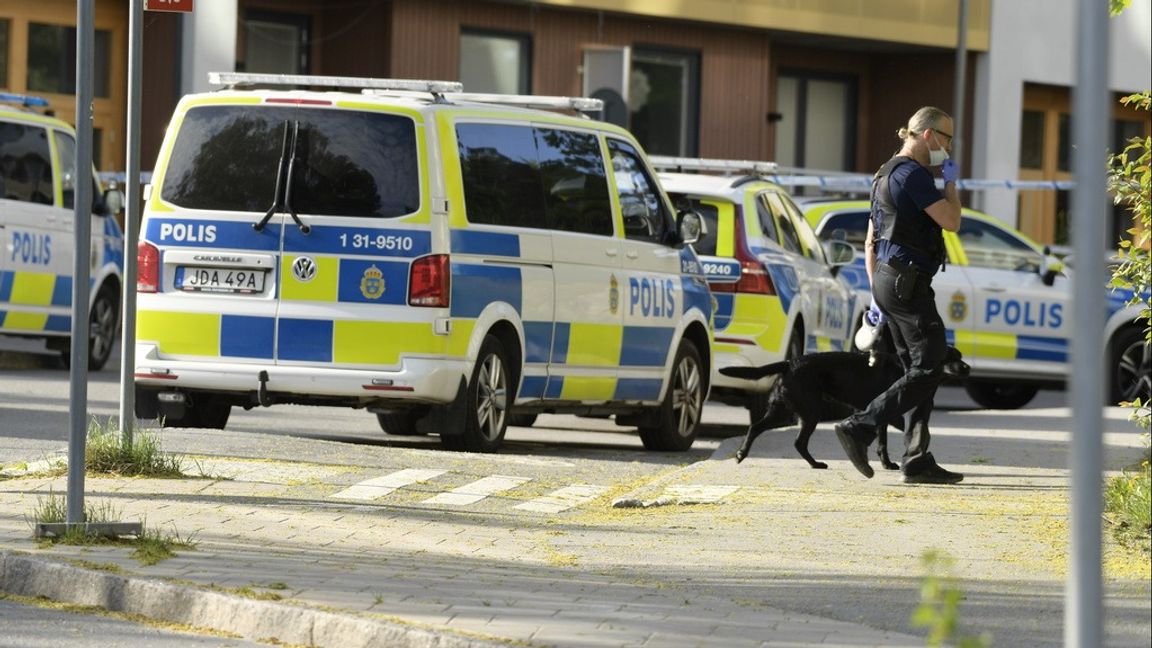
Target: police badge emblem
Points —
{"points": [[958, 307], [372, 284]]}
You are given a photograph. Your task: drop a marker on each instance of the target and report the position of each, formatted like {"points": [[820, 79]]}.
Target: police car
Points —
{"points": [[777, 288], [1007, 306], [443, 260], [37, 184]]}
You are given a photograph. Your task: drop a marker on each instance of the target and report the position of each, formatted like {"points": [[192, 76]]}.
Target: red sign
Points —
{"points": [[183, 6]]}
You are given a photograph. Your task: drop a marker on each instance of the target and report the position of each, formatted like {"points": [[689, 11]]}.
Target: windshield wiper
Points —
{"points": [[304, 228], [281, 189]]}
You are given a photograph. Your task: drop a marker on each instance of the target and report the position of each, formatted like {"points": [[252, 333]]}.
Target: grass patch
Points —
{"points": [[1128, 507], [939, 609], [151, 546], [105, 453]]}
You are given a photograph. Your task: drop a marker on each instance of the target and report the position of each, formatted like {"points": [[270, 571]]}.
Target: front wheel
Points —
{"points": [[679, 414], [998, 395], [102, 319], [1131, 364], [486, 402]]}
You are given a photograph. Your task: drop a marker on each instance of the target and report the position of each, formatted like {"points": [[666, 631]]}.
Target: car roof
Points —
{"points": [[11, 113], [731, 187]]}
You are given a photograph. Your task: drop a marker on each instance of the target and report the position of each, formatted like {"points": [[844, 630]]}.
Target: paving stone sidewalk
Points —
{"points": [[783, 556]]}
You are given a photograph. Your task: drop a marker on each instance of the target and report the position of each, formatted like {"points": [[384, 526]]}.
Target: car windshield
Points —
{"points": [[346, 163], [988, 246]]}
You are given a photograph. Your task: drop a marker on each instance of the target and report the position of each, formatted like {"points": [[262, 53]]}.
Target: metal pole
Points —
{"points": [[1083, 599], [131, 224], [960, 87], [82, 229]]}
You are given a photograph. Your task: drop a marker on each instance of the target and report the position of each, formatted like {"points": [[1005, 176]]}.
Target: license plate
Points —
{"points": [[220, 280]]}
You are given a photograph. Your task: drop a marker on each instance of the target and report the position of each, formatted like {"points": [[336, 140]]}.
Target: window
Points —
{"points": [[25, 163], [66, 151], [767, 223], [789, 239], [52, 59], [807, 237], [1032, 140], [501, 183], [645, 217], [818, 125], [988, 246], [1064, 143], [276, 42], [574, 181], [850, 227], [664, 100], [347, 163], [5, 29], [492, 62]]}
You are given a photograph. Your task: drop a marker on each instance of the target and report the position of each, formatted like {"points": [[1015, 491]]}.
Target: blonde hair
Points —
{"points": [[925, 118]]}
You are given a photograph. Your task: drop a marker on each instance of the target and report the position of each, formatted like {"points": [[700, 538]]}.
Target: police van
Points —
{"points": [[778, 289], [1007, 306], [37, 185], [446, 261]]}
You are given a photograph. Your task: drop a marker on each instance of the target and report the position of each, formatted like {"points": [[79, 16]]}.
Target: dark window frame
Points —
{"points": [[526, 52], [66, 72], [691, 146], [852, 110]]}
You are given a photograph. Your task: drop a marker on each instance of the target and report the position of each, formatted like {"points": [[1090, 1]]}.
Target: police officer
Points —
{"points": [[903, 250]]}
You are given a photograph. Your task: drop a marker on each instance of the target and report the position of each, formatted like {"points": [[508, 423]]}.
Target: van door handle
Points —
{"points": [[611, 252], [995, 289], [631, 254]]}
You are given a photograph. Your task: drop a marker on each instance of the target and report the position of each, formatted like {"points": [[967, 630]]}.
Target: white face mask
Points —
{"points": [[936, 157]]}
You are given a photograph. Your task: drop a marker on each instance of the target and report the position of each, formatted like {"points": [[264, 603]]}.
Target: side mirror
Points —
{"points": [[113, 201], [839, 253], [690, 226], [1050, 267]]}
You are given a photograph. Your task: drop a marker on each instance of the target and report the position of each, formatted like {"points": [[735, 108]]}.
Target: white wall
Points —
{"points": [[209, 44], [1035, 41]]}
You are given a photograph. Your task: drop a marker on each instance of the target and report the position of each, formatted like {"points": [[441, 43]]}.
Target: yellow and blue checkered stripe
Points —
{"points": [[40, 289]]}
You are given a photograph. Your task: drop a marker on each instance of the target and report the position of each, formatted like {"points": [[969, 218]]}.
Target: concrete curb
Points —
{"points": [[250, 619]]}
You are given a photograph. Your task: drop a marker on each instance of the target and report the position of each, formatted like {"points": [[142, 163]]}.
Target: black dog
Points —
{"points": [[821, 387]]}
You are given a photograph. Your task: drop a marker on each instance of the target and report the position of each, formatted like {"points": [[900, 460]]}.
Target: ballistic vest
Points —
{"points": [[914, 231]]}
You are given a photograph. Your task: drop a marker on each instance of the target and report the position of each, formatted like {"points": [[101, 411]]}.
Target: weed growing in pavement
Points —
{"points": [[1128, 504], [149, 547], [939, 608], [106, 453]]}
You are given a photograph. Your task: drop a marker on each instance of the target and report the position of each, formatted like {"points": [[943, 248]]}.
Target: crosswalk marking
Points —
{"points": [[563, 499], [370, 489], [477, 490], [699, 494]]}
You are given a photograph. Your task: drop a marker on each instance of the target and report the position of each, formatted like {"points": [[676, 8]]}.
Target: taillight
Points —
{"points": [[430, 282], [754, 277], [147, 268]]}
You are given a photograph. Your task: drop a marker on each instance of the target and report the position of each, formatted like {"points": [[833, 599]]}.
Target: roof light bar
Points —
{"points": [[233, 79], [666, 163], [28, 101], [583, 104]]}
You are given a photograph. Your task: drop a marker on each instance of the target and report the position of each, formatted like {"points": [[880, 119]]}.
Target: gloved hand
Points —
{"points": [[950, 170], [873, 315]]}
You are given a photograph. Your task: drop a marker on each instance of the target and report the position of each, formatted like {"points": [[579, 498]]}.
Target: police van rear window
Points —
{"points": [[343, 163]]}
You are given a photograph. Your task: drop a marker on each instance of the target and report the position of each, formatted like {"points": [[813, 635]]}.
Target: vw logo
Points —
{"points": [[304, 268]]}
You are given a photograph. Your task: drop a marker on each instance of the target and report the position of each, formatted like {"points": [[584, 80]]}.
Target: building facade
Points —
{"points": [[819, 84]]}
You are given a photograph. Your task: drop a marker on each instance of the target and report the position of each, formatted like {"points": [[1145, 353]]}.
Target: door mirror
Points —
{"points": [[113, 201], [690, 226], [839, 253]]}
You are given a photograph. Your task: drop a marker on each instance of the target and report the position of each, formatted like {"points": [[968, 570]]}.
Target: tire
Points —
{"points": [[522, 420], [1130, 367], [402, 423], [202, 411], [999, 395], [679, 414], [486, 401], [758, 401], [102, 320]]}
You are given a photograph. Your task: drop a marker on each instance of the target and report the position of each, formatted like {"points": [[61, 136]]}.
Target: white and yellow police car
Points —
{"points": [[1007, 306], [777, 288], [37, 184], [444, 260]]}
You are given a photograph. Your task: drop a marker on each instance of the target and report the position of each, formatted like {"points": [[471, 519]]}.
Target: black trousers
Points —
{"points": [[918, 335]]}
